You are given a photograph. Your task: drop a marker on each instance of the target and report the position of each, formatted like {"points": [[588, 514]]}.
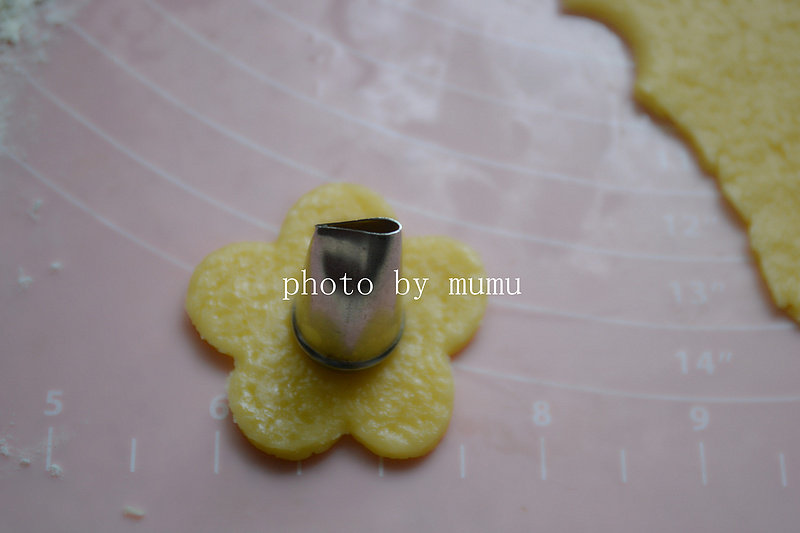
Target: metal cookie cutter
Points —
{"points": [[350, 317]]}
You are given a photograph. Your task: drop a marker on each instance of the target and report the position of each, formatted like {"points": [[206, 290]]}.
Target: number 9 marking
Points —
{"points": [[700, 418]]}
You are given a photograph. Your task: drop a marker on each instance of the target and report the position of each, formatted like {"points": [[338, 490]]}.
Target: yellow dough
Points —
{"points": [[292, 407], [727, 73]]}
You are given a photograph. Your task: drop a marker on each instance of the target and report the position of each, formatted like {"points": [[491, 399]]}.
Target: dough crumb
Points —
{"points": [[24, 462], [55, 471], [23, 280], [34, 211], [26, 27], [134, 513]]}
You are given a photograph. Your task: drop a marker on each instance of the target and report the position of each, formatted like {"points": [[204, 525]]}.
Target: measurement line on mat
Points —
{"points": [[543, 459], [303, 26], [269, 153], [511, 376], [133, 455], [703, 472], [263, 78], [623, 466], [99, 218], [782, 462], [547, 49], [462, 461], [49, 458], [141, 161], [216, 452]]}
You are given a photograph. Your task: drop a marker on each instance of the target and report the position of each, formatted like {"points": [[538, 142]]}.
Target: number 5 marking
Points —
{"points": [[54, 400]]}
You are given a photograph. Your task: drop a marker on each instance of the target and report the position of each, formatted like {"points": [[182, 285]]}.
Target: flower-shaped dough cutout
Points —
{"points": [[290, 406]]}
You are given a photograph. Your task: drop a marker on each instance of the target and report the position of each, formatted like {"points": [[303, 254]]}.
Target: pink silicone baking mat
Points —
{"points": [[643, 381]]}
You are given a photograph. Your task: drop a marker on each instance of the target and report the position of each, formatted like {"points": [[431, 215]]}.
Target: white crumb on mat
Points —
{"points": [[6, 449], [14, 16], [23, 280], [26, 26], [24, 455], [26, 21], [55, 471], [55, 266], [134, 513], [37, 204]]}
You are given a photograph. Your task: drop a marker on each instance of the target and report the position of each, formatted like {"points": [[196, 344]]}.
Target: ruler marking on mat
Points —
{"points": [[49, 458], [462, 462], [782, 463], [216, 452], [133, 454], [543, 457], [703, 472], [623, 466]]}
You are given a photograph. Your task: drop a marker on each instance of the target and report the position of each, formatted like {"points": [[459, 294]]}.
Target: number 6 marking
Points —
{"points": [[219, 407]]}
